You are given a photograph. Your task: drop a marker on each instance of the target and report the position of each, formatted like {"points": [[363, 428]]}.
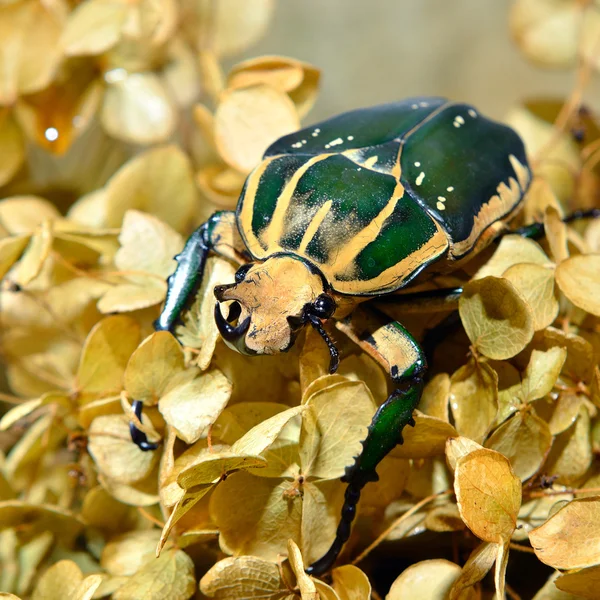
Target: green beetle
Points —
{"points": [[346, 211]]}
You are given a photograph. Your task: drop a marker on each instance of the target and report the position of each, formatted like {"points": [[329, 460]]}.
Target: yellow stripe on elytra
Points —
{"points": [[313, 226], [368, 234], [497, 207], [392, 278], [277, 224], [247, 209], [358, 242], [521, 171]]}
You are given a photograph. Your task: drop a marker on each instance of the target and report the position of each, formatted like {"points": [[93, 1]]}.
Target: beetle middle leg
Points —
{"points": [[393, 347]]}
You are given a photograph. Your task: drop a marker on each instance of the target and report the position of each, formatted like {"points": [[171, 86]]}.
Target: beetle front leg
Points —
{"points": [[219, 235], [394, 348]]}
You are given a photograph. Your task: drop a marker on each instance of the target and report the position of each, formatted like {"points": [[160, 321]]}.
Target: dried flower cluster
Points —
{"points": [[244, 491]]}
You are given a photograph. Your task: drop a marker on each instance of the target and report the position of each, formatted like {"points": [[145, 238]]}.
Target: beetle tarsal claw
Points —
{"points": [[230, 332]]}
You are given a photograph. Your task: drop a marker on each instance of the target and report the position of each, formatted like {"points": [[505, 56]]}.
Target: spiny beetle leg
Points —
{"points": [[394, 348], [218, 234], [385, 432]]}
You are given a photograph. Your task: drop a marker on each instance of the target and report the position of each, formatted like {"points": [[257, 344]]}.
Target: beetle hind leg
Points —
{"points": [[393, 347]]}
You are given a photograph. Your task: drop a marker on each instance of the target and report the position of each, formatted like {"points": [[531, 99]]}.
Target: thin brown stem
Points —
{"points": [[398, 521]]}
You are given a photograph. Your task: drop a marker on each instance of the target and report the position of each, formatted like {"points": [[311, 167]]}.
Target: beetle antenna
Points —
{"points": [[334, 363]]}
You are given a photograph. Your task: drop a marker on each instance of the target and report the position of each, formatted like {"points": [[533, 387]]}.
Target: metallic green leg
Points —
{"points": [[385, 431], [218, 235]]}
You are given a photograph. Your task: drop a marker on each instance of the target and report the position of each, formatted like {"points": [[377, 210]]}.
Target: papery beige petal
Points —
{"points": [[93, 27], [138, 110], [27, 67], [248, 121], [158, 181], [22, 214], [578, 279], [115, 454], [12, 148], [237, 24], [241, 578]]}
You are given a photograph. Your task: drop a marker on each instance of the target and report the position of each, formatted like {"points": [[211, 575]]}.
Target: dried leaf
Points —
{"points": [[65, 580], [12, 148], [435, 398], [138, 109], [256, 515], [513, 250], [298, 79], [241, 141], [498, 321], [525, 440], [571, 454], [156, 361], [93, 27], [333, 427], [105, 355], [427, 438], [570, 539], [458, 447], [474, 399], [35, 255], [577, 278], [261, 436], [535, 283], [39, 518], [582, 583], [547, 32], [27, 67], [542, 372], [241, 578], [236, 25], [308, 591], [475, 569], [351, 583], [171, 575], [431, 579], [488, 495], [126, 553], [115, 454], [159, 181], [195, 404], [23, 214], [159, 241]]}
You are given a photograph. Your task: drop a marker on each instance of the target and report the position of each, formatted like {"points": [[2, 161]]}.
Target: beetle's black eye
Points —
{"points": [[323, 307], [241, 272]]}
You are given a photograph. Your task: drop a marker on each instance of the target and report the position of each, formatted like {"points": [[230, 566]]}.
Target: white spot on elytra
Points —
{"points": [[335, 142], [419, 179], [316, 132], [297, 145], [441, 206], [441, 199], [413, 106], [350, 138], [423, 104], [472, 113], [417, 164], [458, 121], [450, 189]]}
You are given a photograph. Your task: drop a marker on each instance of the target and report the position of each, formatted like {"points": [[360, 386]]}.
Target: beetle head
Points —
{"points": [[271, 302]]}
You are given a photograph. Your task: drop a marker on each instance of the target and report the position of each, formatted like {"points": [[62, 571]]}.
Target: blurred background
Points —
{"points": [[372, 52]]}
